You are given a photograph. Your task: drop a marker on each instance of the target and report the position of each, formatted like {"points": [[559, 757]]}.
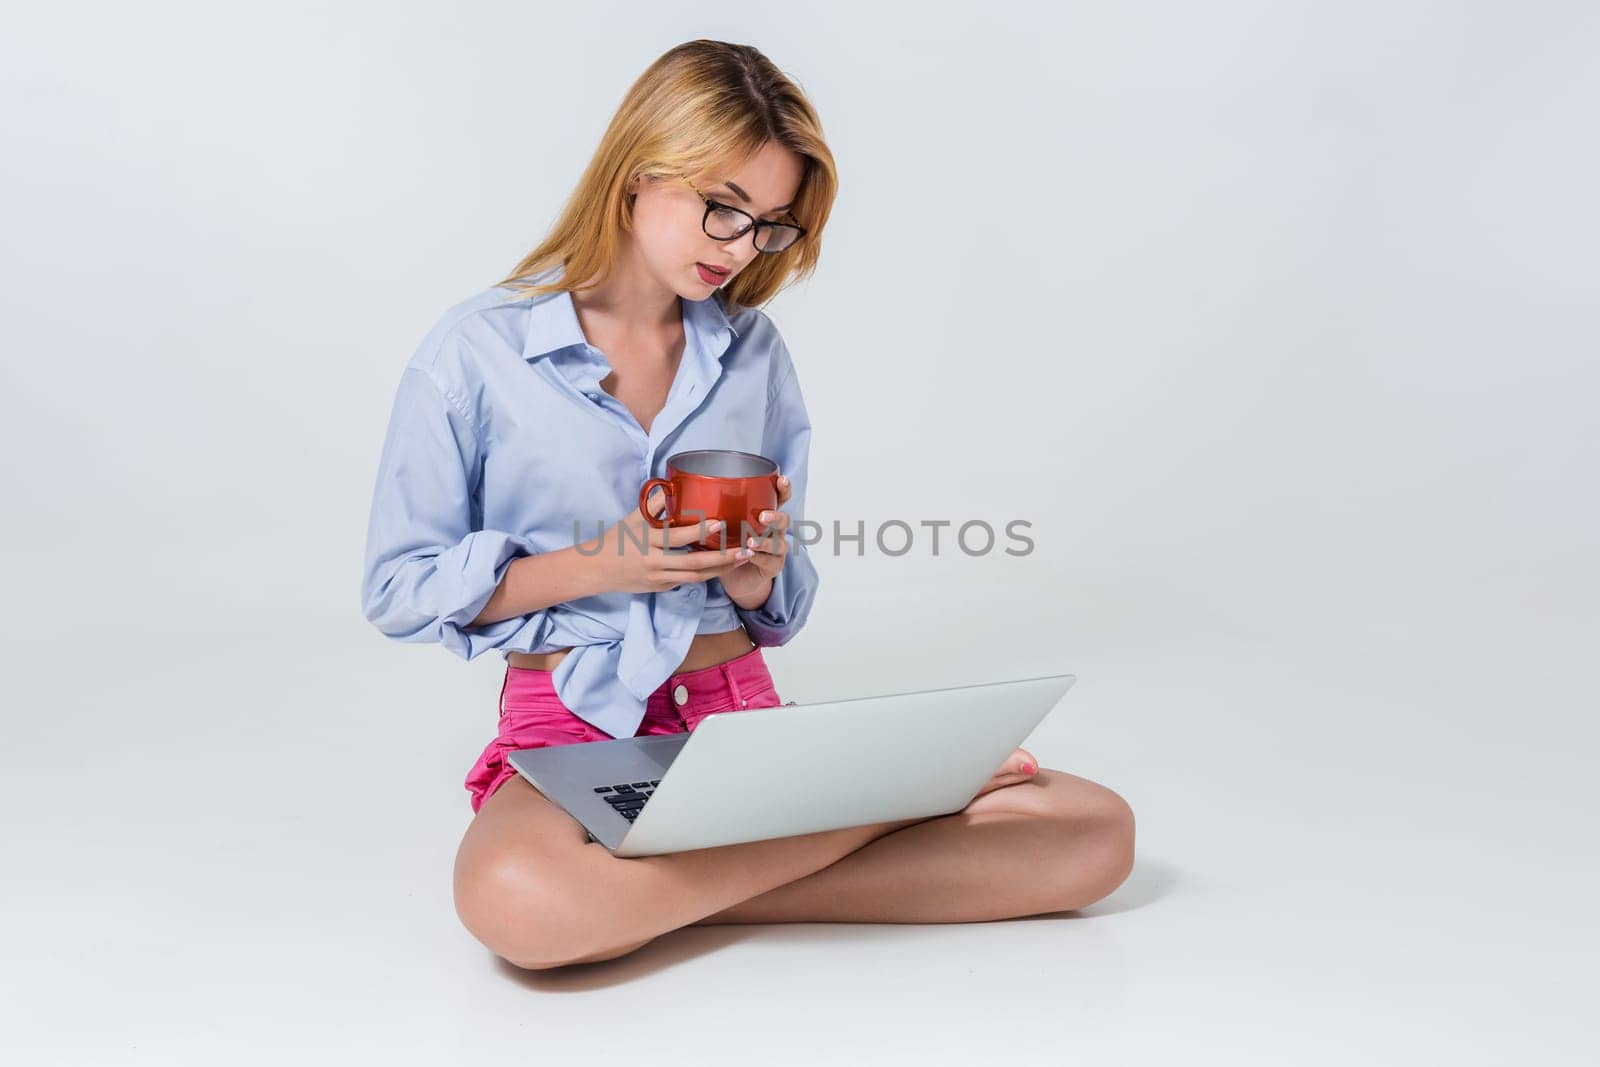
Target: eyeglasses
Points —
{"points": [[723, 222]]}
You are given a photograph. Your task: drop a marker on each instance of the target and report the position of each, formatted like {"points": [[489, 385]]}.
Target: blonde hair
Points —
{"points": [[702, 106]]}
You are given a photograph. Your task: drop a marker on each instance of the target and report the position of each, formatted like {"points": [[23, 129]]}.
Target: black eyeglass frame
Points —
{"points": [[755, 223]]}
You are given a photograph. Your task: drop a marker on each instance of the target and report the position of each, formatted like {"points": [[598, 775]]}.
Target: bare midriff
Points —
{"points": [[707, 650]]}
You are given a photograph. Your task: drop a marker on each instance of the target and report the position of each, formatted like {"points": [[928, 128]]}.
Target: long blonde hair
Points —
{"points": [[702, 105]]}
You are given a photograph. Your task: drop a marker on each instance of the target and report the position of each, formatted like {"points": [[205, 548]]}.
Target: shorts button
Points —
{"points": [[681, 695]]}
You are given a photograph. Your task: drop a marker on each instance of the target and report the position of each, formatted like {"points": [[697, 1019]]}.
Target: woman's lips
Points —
{"points": [[709, 276]]}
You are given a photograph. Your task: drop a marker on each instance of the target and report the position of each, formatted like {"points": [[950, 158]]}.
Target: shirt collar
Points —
{"points": [[553, 324]]}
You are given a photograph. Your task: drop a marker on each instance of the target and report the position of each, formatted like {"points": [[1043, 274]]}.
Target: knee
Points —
{"points": [[1110, 832], [518, 912], [1097, 835]]}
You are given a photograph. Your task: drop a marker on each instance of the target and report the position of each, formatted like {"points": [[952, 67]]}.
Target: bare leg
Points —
{"points": [[533, 889], [1053, 843]]}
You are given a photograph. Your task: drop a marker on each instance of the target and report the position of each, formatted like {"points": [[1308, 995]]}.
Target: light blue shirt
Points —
{"points": [[501, 438]]}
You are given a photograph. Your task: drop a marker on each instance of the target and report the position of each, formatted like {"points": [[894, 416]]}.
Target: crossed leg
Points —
{"points": [[527, 882], [1053, 843]]}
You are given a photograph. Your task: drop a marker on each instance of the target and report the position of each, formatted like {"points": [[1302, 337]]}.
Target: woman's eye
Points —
{"points": [[735, 213]]}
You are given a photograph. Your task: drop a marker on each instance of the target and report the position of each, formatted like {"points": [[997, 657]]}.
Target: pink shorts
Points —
{"points": [[532, 715]]}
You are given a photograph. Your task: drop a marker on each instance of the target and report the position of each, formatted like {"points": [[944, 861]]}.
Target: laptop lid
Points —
{"points": [[802, 768]]}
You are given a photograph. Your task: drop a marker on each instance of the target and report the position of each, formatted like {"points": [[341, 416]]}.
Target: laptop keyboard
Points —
{"points": [[626, 798]]}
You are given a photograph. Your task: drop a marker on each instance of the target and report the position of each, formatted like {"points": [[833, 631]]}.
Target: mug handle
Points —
{"points": [[644, 495]]}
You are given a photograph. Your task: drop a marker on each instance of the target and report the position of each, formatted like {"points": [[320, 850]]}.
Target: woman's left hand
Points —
{"points": [[768, 551]]}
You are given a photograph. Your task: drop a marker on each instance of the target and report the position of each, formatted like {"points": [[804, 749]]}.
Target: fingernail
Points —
{"points": [[743, 553], [714, 524], [1028, 768]]}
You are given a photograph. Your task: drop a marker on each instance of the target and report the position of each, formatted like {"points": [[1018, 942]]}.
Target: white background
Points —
{"points": [[1277, 321]]}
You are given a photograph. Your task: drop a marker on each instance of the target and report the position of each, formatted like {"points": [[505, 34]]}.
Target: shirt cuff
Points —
{"points": [[788, 605], [435, 598], [469, 577]]}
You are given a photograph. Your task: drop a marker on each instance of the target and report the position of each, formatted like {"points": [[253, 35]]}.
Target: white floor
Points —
{"points": [[1374, 849]]}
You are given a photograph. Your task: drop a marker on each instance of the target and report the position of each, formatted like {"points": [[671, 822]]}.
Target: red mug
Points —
{"points": [[715, 483]]}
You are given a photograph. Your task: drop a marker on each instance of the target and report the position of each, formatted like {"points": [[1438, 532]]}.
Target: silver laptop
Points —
{"points": [[794, 769]]}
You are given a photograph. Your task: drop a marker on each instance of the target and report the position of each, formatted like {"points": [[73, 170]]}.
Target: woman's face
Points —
{"points": [[667, 215]]}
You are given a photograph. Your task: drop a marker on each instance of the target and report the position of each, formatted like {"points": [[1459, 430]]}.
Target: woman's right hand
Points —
{"points": [[631, 556]]}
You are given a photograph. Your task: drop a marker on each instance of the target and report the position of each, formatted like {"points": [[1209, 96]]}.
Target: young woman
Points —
{"points": [[506, 517]]}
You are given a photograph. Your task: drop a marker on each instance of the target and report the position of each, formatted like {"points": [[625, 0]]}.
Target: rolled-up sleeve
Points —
{"points": [[787, 440], [427, 571]]}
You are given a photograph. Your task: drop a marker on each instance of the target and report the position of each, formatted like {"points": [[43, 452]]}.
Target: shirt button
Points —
{"points": [[680, 695]]}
